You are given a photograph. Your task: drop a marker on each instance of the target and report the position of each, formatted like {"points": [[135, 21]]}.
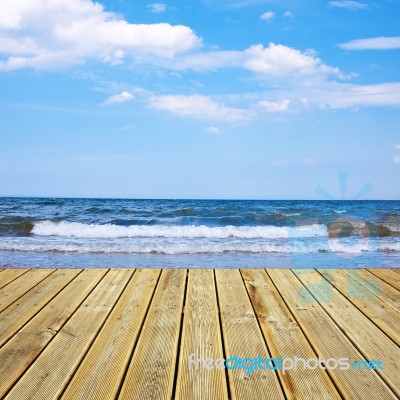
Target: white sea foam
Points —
{"points": [[391, 247], [43, 244], [393, 227], [157, 247], [79, 230], [131, 246]]}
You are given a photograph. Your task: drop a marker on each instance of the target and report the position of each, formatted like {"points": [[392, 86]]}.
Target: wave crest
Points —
{"points": [[80, 230]]}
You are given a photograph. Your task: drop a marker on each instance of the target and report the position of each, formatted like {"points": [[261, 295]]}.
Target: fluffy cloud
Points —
{"points": [[344, 95], [377, 43], [213, 129], [280, 60], [207, 61], [350, 96], [47, 34], [119, 98], [196, 106], [326, 94], [275, 106], [396, 160], [288, 14], [397, 146], [351, 5], [274, 61], [157, 8], [267, 16]]}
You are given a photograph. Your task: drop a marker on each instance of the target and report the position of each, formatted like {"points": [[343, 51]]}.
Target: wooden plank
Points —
{"points": [[387, 275], [151, 372], [328, 340], [47, 377], [243, 338], [101, 372], [15, 316], [9, 275], [387, 293], [21, 285], [23, 348], [370, 305], [370, 341], [201, 336], [285, 338]]}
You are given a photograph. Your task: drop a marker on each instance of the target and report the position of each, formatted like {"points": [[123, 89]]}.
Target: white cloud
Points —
{"points": [[396, 160], [157, 7], [197, 106], [274, 61], [118, 98], [288, 14], [397, 146], [327, 94], [208, 61], [275, 106], [57, 34], [351, 96], [54, 35], [377, 43], [267, 16], [280, 60], [213, 129], [351, 5]]}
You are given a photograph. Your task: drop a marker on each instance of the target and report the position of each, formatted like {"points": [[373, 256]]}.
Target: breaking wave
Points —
{"points": [[80, 230]]}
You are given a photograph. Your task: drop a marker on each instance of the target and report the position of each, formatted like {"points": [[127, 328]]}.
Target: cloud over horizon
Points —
{"points": [[197, 106], [267, 16], [157, 8], [349, 4], [275, 106], [376, 43], [122, 97]]}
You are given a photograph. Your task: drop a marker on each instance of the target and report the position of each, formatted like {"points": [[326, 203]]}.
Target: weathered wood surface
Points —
{"points": [[128, 334]]}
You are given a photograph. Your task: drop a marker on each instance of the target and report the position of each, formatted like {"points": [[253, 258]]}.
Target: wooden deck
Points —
{"points": [[128, 334]]}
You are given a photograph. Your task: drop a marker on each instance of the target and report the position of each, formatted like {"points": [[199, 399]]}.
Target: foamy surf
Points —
{"points": [[80, 230], [172, 246]]}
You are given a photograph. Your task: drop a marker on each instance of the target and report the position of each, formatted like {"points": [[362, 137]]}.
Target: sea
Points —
{"points": [[97, 233]]}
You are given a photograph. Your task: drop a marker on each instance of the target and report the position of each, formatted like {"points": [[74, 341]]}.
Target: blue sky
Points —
{"points": [[201, 99]]}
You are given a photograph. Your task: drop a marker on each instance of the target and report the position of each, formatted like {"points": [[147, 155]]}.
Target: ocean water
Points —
{"points": [[52, 232]]}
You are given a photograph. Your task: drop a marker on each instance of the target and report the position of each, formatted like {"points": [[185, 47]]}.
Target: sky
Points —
{"points": [[238, 99]]}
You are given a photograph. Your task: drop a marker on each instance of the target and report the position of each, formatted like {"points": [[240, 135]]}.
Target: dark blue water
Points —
{"points": [[38, 232]]}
